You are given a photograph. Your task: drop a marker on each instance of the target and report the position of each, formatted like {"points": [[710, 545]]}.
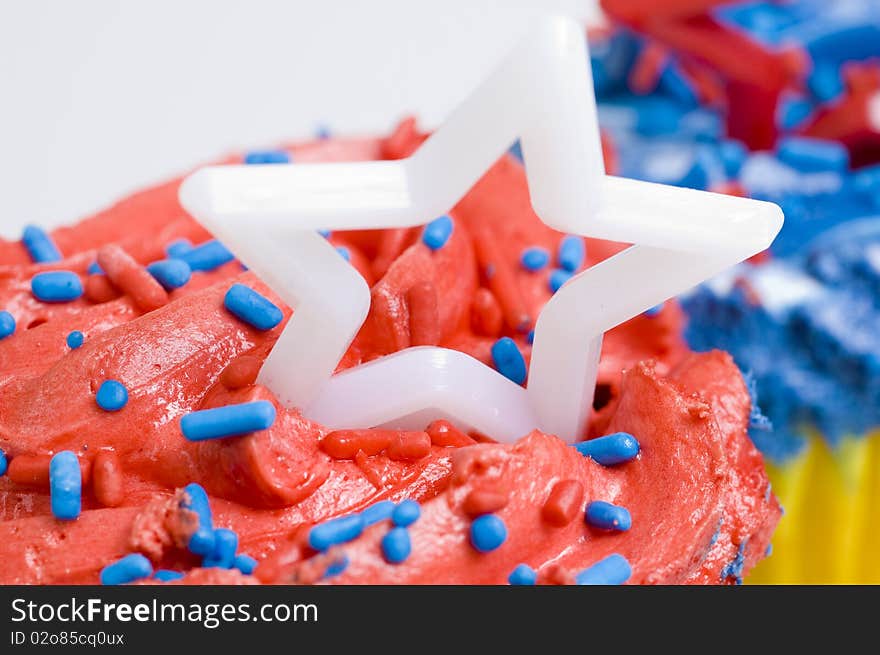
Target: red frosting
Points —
{"points": [[697, 493]]}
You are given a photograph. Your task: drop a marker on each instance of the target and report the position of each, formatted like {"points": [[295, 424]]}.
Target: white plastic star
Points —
{"points": [[541, 94]]}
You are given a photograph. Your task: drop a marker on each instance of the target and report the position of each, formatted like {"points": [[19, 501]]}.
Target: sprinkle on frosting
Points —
{"points": [[488, 532], [112, 396], [206, 256], [654, 311], [508, 360], [223, 554], [75, 339], [56, 286], [606, 516], [396, 545], [336, 567], [344, 252], [7, 324], [406, 513], [130, 568], [336, 531], [534, 259], [612, 570], [251, 307], [170, 273], [558, 277], [178, 247], [571, 253], [564, 503], [4, 464], [523, 575], [95, 269], [196, 500], [167, 575], [244, 563], [377, 512], [437, 232], [611, 449], [39, 245], [65, 485], [228, 421], [267, 157]]}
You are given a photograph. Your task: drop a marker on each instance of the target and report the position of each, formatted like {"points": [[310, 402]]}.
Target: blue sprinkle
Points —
{"points": [[322, 132], [406, 513], [336, 567], [223, 553], [75, 339], [344, 252], [95, 269], [252, 308], [325, 233], [65, 485], [813, 155], [40, 246], [654, 311], [336, 531], [378, 512], [7, 324], [558, 277], [56, 286], [437, 232], [112, 396], [769, 550], [734, 568], [244, 563], [571, 253], [523, 575], [530, 337], [488, 532], [509, 360], [229, 421], [611, 449], [606, 516], [128, 569], [207, 256], [202, 540], [4, 464], [534, 259], [396, 545], [267, 157], [170, 273], [178, 247], [167, 575], [612, 570]]}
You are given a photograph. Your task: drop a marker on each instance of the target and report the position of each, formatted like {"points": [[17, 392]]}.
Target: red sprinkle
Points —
{"points": [[563, 503], [241, 372], [108, 484], [501, 279], [486, 316], [409, 446], [424, 317], [98, 289], [345, 444], [484, 501], [33, 470], [132, 278], [443, 433], [392, 243]]}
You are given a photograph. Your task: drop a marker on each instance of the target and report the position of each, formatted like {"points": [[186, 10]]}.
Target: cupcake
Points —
{"points": [[138, 446]]}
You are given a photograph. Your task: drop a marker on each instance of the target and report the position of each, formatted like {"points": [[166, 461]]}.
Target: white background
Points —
{"points": [[100, 97]]}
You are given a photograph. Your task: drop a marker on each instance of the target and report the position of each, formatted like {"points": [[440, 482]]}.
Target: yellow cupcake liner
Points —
{"points": [[830, 533]]}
